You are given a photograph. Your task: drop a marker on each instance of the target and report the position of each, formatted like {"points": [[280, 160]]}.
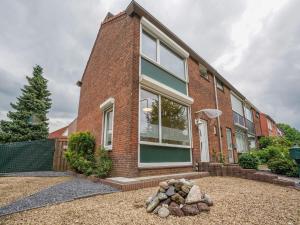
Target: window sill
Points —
{"points": [[164, 145], [164, 165]]}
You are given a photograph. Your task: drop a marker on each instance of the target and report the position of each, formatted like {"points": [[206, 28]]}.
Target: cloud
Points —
{"points": [[59, 36]]}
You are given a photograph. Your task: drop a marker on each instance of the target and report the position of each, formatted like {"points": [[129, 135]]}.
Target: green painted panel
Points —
{"points": [[156, 73], [27, 156], [160, 154]]}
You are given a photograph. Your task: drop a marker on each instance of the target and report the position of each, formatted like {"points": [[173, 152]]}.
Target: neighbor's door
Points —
{"points": [[229, 145], [203, 135]]}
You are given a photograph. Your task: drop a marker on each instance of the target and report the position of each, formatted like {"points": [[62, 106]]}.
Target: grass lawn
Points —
{"points": [[13, 188], [237, 201]]}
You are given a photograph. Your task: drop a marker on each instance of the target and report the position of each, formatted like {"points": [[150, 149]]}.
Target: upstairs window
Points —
{"points": [[237, 105], [156, 50], [248, 114], [171, 61], [220, 85], [203, 71], [149, 46], [269, 123]]}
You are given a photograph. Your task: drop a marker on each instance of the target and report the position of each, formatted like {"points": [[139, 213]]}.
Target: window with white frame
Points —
{"points": [[248, 114], [159, 52], [269, 123], [108, 128], [163, 121]]}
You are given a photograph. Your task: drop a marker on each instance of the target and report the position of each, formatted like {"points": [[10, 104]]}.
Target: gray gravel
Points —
{"points": [[36, 174], [63, 192]]}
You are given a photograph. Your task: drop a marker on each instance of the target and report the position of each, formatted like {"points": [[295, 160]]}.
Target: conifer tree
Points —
{"points": [[28, 120]]}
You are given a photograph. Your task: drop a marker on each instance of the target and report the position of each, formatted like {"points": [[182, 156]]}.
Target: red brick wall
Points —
{"points": [[202, 91], [112, 71]]}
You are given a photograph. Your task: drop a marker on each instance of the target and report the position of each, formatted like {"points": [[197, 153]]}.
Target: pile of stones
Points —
{"points": [[179, 198]]}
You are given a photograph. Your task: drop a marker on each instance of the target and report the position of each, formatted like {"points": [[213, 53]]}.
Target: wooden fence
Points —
{"points": [[59, 161]]}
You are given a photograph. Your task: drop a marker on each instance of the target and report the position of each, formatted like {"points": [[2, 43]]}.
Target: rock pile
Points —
{"points": [[179, 198]]}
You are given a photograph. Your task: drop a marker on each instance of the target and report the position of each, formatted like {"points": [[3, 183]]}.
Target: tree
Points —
{"points": [[292, 134], [29, 119]]}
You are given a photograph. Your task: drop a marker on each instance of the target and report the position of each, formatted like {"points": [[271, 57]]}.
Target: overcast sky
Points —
{"points": [[253, 44]]}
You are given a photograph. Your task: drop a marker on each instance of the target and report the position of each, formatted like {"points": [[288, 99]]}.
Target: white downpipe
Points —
{"points": [[218, 118]]}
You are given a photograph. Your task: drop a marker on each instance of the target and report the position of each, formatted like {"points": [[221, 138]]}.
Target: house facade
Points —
{"points": [[144, 95], [269, 127]]}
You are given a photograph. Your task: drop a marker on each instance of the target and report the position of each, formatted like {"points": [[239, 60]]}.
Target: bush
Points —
{"points": [[81, 158], [248, 161], [283, 166], [83, 143], [103, 163]]}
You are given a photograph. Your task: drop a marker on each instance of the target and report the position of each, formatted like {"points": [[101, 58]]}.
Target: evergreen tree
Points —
{"points": [[28, 120]]}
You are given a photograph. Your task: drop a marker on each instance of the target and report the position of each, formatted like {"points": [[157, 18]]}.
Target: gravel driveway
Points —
{"points": [[237, 201], [66, 191]]}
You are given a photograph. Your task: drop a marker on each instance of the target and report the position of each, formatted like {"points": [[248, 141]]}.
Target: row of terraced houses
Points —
{"points": [[155, 104]]}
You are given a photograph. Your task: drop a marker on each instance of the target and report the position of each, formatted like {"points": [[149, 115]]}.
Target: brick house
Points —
{"points": [[269, 127], [140, 94]]}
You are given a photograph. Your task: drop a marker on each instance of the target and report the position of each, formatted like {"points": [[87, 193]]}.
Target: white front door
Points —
{"points": [[203, 135]]}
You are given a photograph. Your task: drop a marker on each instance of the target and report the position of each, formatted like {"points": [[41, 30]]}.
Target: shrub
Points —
{"points": [[283, 166], [83, 143], [103, 163], [248, 161]]}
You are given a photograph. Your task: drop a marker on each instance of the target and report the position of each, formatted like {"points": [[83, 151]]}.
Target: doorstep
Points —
{"points": [[128, 184]]}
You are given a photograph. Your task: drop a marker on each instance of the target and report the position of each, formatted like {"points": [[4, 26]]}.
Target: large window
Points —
{"points": [[108, 127], [163, 121], [154, 49], [241, 141]]}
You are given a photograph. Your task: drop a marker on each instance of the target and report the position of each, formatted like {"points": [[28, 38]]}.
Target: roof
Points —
{"points": [[135, 8], [58, 133]]}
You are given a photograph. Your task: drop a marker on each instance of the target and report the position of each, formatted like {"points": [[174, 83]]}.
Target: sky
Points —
{"points": [[254, 44]]}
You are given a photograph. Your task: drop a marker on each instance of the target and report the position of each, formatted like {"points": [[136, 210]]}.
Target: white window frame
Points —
{"points": [[157, 34], [107, 110], [160, 143], [219, 85]]}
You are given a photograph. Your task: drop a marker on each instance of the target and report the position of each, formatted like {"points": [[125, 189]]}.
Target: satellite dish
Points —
{"points": [[211, 113]]}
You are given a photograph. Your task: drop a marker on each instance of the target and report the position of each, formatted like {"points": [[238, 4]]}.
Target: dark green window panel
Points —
{"points": [[161, 154], [156, 73]]}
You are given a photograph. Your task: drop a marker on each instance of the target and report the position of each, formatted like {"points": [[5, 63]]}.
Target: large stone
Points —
{"points": [[152, 205], [175, 209], [185, 188], [190, 210], [164, 185], [163, 212], [203, 207], [207, 199], [194, 195], [182, 193], [186, 182], [170, 191], [162, 196], [167, 201], [172, 181], [161, 189], [155, 211], [178, 186], [149, 200], [178, 198]]}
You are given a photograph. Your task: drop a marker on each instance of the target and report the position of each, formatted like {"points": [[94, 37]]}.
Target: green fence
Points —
{"points": [[27, 156]]}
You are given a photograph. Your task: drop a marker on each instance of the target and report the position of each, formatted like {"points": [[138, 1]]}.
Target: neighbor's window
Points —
{"points": [[171, 61], [149, 117], [108, 127], [149, 46], [173, 117], [220, 85], [269, 123], [174, 121]]}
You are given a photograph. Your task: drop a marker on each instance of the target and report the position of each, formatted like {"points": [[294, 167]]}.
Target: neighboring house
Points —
{"points": [[140, 92], [269, 127], [65, 131]]}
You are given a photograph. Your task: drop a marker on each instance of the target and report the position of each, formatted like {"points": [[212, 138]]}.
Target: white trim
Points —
{"points": [[162, 88], [167, 164], [109, 109], [159, 34], [107, 103]]}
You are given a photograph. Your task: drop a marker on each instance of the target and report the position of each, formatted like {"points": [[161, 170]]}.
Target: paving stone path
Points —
{"points": [[63, 192]]}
